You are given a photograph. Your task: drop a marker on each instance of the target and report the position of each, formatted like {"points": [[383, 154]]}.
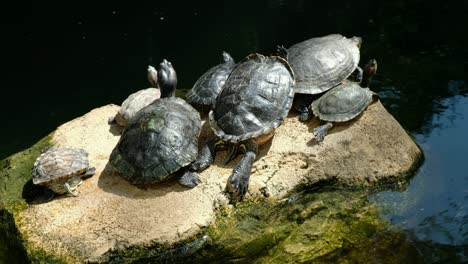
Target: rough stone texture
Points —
{"points": [[111, 214]]}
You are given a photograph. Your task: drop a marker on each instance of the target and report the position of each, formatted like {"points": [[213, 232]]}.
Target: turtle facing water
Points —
{"points": [[344, 102], [62, 169], [320, 64]]}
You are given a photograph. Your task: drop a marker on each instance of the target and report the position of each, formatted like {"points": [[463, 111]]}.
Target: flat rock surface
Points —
{"points": [[109, 213]]}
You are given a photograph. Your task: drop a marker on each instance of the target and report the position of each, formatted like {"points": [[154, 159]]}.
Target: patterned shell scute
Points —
{"points": [[209, 85], [322, 63], [342, 103], [134, 103], [158, 141], [60, 163], [255, 99]]}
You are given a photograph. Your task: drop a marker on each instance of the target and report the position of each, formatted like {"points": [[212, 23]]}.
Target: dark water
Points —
{"points": [[63, 60]]}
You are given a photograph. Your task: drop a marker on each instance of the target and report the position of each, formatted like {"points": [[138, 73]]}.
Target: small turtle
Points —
{"points": [[161, 139], [62, 169], [138, 100], [255, 99], [321, 64], [208, 86], [344, 102]]}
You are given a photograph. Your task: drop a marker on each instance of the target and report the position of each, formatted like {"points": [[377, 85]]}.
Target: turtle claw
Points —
{"points": [[69, 190], [190, 179], [238, 182], [321, 131]]}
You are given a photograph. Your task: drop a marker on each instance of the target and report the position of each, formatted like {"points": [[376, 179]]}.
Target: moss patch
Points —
{"points": [[15, 172]]}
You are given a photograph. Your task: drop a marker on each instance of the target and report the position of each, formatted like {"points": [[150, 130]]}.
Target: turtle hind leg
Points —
{"points": [[206, 156], [188, 178], [321, 131], [238, 182]]}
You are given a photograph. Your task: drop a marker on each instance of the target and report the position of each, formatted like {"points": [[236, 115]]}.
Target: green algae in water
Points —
{"points": [[309, 227]]}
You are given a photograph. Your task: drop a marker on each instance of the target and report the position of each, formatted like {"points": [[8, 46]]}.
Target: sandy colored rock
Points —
{"points": [[111, 214]]}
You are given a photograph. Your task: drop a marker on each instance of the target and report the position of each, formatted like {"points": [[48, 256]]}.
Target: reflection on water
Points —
{"points": [[435, 205]]}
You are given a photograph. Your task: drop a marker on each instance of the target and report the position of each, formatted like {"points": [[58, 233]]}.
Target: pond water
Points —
{"points": [[64, 60]]}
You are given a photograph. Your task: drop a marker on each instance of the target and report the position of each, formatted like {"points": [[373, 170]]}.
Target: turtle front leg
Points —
{"points": [[238, 182], [188, 178], [206, 156], [69, 189], [302, 104], [321, 131]]}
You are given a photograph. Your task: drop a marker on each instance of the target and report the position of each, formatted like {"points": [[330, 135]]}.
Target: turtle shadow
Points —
{"points": [[37, 194], [115, 129], [112, 182]]}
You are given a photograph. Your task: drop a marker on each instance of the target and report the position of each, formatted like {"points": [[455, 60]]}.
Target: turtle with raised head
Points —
{"points": [[320, 64], [255, 100], [62, 169], [161, 139], [208, 86], [344, 102], [136, 101]]}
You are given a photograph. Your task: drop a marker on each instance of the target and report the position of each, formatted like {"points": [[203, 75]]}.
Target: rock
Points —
{"points": [[110, 215]]}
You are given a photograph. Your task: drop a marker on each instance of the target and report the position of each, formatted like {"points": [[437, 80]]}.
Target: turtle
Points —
{"points": [[138, 100], [161, 139], [345, 101], [255, 100], [62, 169], [208, 86], [320, 64]]}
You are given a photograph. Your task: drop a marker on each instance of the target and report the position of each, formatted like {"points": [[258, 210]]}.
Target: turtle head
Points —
{"points": [[152, 76], [227, 58], [167, 79], [357, 41], [368, 72]]}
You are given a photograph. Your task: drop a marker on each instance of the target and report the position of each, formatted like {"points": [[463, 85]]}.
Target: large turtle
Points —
{"points": [[320, 64], [160, 139], [62, 169], [208, 86], [136, 101], [344, 102], [255, 99]]}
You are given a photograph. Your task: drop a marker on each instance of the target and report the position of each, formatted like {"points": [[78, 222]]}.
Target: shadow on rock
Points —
{"points": [[115, 129], [110, 181]]}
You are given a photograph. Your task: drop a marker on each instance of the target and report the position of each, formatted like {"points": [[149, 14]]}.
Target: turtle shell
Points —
{"points": [[255, 99], [322, 63], [59, 164], [342, 103], [209, 85], [158, 141], [134, 103]]}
